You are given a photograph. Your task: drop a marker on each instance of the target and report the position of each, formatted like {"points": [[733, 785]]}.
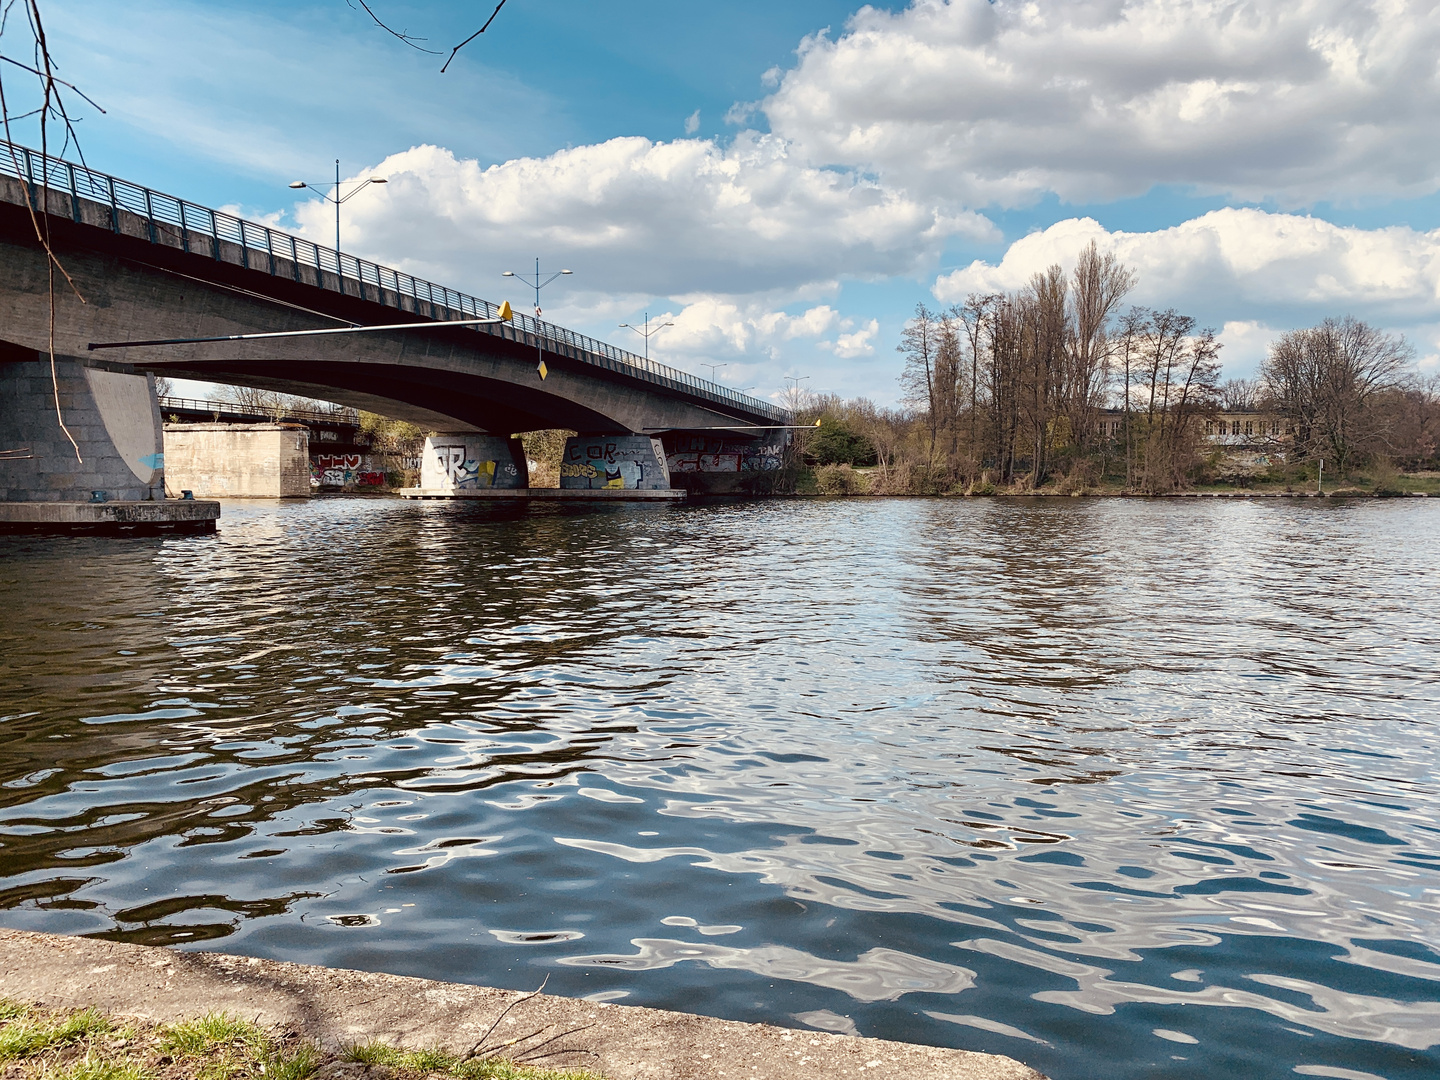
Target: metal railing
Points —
{"points": [[206, 228], [339, 415]]}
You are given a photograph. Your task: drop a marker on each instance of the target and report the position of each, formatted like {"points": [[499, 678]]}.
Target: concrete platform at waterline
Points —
{"points": [[337, 1007], [558, 494], [117, 518]]}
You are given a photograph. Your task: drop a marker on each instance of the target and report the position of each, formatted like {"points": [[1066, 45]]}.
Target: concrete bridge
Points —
{"points": [[147, 265]]}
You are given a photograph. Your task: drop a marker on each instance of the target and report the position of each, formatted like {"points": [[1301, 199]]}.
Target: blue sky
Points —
{"points": [[786, 181]]}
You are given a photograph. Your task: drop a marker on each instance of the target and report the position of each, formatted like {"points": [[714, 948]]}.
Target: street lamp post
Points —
{"points": [[647, 332], [714, 368], [338, 198], [536, 284], [795, 394]]}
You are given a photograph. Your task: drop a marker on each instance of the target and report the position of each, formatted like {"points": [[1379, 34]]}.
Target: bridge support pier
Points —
{"points": [[727, 463], [114, 418], [467, 461], [626, 462], [238, 461]]}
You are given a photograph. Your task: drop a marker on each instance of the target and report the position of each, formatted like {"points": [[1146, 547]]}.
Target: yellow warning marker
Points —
{"points": [[543, 370], [817, 423], [505, 312]]}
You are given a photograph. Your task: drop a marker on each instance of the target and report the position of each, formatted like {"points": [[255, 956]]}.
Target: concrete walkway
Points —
{"points": [[337, 1006]]}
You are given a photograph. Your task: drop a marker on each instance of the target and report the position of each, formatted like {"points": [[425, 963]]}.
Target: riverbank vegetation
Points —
{"points": [[84, 1044], [1058, 387]]}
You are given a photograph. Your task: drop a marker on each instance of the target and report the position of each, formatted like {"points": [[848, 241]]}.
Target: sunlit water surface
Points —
{"points": [[1123, 789]]}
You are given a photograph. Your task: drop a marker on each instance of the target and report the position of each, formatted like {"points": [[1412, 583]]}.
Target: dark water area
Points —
{"points": [[1123, 789]]}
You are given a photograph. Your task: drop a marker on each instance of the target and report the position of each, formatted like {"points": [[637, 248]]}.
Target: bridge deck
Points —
{"points": [[203, 230]]}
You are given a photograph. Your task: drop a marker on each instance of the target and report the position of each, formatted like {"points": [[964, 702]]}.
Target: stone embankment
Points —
{"points": [[339, 1007]]}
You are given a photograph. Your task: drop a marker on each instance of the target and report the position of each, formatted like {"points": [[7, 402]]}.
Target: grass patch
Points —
{"points": [[294, 1064], [9, 1009], [210, 1032], [433, 1061], [84, 1044], [27, 1035], [93, 1067]]}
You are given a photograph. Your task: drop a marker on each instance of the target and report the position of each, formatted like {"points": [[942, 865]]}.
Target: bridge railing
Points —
{"points": [[207, 228], [338, 415]]}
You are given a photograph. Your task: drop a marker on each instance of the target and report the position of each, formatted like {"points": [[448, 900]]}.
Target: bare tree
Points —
{"points": [[1043, 339], [1131, 336], [1006, 351], [974, 316], [1170, 374], [1413, 434], [919, 343], [1325, 381], [1240, 395], [950, 382], [1098, 284]]}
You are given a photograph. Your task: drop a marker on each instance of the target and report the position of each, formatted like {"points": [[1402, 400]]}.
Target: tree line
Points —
{"points": [[1059, 384]]}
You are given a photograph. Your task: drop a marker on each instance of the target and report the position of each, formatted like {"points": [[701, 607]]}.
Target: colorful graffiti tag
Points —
{"points": [[463, 471], [618, 461], [344, 470], [691, 454], [358, 470], [472, 462]]}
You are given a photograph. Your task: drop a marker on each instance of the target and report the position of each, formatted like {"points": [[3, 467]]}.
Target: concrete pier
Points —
{"points": [[238, 461], [554, 494], [344, 1007], [111, 413], [104, 470], [110, 518], [614, 462], [465, 463]]}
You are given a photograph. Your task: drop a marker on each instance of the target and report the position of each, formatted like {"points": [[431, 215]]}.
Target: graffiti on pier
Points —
{"points": [[618, 461], [698, 453], [464, 472], [343, 470], [472, 462], [346, 470]]}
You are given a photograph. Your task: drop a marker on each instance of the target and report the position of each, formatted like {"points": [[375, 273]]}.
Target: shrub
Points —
{"points": [[840, 480], [837, 443], [1385, 478]]}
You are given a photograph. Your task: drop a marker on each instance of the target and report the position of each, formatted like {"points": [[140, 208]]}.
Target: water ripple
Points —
{"points": [[1120, 788]]}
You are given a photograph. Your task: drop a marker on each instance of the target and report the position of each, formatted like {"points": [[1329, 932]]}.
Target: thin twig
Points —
{"points": [[42, 235], [518, 1001], [408, 39], [532, 1054], [62, 82], [44, 70], [558, 1053], [512, 1042], [473, 36]]}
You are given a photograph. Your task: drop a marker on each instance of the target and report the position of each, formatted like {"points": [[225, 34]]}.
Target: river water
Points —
{"points": [[1120, 788]]}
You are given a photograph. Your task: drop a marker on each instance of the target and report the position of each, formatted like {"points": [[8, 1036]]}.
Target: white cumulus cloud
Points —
{"points": [[979, 102], [1249, 273], [631, 215], [1241, 263], [717, 326], [855, 344]]}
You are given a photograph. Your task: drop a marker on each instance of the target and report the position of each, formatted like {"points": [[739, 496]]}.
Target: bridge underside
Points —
{"points": [[434, 399]]}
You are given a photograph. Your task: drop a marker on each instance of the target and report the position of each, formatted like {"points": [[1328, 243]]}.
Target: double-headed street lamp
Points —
{"points": [[536, 284], [338, 198], [647, 332]]}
